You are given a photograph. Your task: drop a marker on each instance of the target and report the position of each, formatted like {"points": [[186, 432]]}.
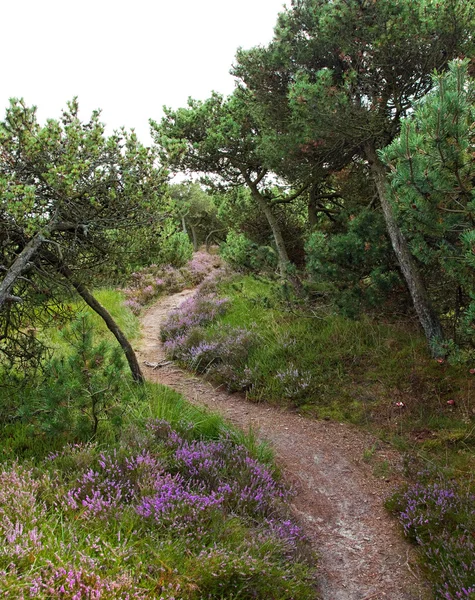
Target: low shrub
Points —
{"points": [[151, 282], [247, 256], [220, 353], [439, 516], [81, 390], [198, 310], [95, 522]]}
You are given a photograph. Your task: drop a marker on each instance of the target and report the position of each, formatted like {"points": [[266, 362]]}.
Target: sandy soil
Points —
{"points": [[339, 496]]}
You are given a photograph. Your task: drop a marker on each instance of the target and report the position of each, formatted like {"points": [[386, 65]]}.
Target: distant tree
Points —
{"points": [[66, 189], [347, 71], [197, 211], [432, 177]]}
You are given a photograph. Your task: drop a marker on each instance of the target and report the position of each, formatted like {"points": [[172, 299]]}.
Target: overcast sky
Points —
{"points": [[127, 58]]}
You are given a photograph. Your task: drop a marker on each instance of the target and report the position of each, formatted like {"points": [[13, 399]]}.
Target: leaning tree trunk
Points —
{"points": [[20, 265], [91, 301], [282, 255], [183, 225], [284, 260], [428, 318]]}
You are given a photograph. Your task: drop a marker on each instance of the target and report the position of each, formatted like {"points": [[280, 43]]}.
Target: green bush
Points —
{"points": [[356, 267], [80, 391], [175, 249], [244, 255]]}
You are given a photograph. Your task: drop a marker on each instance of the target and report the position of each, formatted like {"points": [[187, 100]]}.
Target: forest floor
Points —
{"points": [[339, 492]]}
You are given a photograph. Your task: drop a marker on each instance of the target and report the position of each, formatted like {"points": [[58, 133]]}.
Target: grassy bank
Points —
{"points": [[113, 490]]}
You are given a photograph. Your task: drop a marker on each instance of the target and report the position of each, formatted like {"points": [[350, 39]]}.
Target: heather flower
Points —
{"points": [[287, 532], [21, 513], [113, 483], [440, 518], [295, 382], [134, 306], [150, 282], [247, 486], [78, 583], [195, 311], [175, 507], [202, 265], [427, 505]]}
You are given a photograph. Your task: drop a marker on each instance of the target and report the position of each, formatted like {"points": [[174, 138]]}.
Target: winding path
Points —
{"points": [[362, 555]]}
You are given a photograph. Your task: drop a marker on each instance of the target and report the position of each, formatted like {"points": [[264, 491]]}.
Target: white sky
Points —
{"points": [[127, 58]]}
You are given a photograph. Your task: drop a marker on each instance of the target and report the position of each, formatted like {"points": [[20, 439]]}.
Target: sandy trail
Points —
{"points": [[339, 501]]}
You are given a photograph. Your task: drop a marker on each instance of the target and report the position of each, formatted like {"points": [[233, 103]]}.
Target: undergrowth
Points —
{"points": [[162, 513], [376, 375], [109, 489], [149, 283]]}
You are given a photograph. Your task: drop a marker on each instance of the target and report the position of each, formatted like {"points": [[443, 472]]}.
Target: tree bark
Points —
{"points": [[282, 254], [183, 225], [112, 326], [428, 318], [312, 214], [19, 266], [194, 235], [284, 260]]}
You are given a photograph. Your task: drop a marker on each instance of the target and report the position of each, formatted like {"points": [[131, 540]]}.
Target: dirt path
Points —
{"points": [[339, 498]]}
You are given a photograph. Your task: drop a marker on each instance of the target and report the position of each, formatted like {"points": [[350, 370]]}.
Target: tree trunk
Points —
{"points": [[282, 254], [194, 235], [18, 268], [312, 215], [108, 320], [312, 207], [427, 316], [283, 257]]}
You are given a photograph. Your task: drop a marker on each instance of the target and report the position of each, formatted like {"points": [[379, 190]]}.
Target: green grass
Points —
{"points": [[113, 301], [27, 409], [379, 376], [357, 371], [22, 437], [234, 556]]}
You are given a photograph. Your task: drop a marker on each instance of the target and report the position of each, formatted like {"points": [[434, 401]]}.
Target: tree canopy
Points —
{"points": [[220, 139], [339, 76], [65, 188]]}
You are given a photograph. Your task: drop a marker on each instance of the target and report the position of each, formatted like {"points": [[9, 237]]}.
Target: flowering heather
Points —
{"points": [[111, 519], [287, 531], [195, 311], [151, 282], [134, 306], [246, 486], [195, 476], [73, 583], [178, 509], [20, 513], [202, 265], [440, 518], [295, 383], [114, 482], [222, 353], [229, 347]]}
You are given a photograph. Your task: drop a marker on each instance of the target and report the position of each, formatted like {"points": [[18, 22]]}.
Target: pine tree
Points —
{"points": [[432, 181]]}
